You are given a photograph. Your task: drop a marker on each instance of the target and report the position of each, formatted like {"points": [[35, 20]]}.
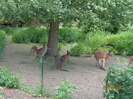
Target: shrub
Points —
{"points": [[7, 79], [24, 88], [12, 82], [94, 41], [2, 40], [122, 42], [69, 35], [41, 90], [121, 80], [1, 96], [64, 90], [9, 30], [77, 50], [30, 34]]}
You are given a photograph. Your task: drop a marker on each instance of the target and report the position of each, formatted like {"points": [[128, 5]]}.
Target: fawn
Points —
{"points": [[41, 52], [33, 49], [102, 56], [65, 57], [130, 60], [57, 63]]}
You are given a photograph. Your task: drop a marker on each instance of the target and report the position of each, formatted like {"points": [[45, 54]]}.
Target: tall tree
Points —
{"points": [[50, 11]]}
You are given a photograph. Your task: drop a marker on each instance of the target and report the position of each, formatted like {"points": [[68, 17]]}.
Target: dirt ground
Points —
{"points": [[83, 73]]}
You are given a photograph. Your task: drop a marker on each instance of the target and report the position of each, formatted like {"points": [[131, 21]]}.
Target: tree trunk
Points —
{"points": [[53, 39]]}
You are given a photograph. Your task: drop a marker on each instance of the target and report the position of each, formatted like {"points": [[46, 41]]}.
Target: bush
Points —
{"points": [[7, 79], [77, 50], [94, 41], [69, 35], [122, 42], [1, 96], [12, 81], [64, 90], [24, 88], [41, 90], [119, 83], [2, 40], [9, 30], [35, 35], [30, 34]]}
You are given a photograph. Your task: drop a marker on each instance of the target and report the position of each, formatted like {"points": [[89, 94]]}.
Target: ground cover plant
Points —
{"points": [[119, 83]]}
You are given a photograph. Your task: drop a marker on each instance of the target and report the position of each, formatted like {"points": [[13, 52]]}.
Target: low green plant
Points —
{"points": [[95, 40], [1, 96], [121, 80], [78, 49], [24, 88], [42, 91], [64, 90], [12, 81], [7, 79]]}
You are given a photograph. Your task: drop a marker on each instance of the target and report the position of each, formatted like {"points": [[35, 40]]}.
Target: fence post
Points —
{"points": [[42, 74]]}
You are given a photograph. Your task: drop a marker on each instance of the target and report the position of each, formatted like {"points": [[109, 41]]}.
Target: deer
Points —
{"points": [[130, 60], [34, 49], [57, 63], [102, 56], [65, 57], [41, 52]]}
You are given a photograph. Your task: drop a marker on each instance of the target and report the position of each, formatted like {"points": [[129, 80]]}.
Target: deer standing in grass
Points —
{"points": [[34, 49], [102, 57], [41, 52], [130, 60], [65, 57]]}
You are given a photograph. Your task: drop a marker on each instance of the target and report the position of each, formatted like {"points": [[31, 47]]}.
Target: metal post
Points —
{"points": [[42, 74]]}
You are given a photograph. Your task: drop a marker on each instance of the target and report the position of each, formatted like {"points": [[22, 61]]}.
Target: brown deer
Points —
{"points": [[102, 56], [130, 60], [41, 52], [33, 49], [65, 57], [57, 63]]}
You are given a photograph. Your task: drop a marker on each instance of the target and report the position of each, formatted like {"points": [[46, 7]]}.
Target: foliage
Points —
{"points": [[24, 88], [2, 40], [1, 93], [123, 42], [30, 34], [64, 90], [107, 15], [122, 81], [78, 49], [9, 30], [7, 79], [42, 91], [98, 40], [69, 35], [39, 35], [12, 81], [95, 40], [54, 11]]}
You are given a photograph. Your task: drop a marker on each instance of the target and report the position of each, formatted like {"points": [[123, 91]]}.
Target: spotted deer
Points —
{"points": [[65, 57], [33, 49], [41, 52], [130, 60], [102, 57]]}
